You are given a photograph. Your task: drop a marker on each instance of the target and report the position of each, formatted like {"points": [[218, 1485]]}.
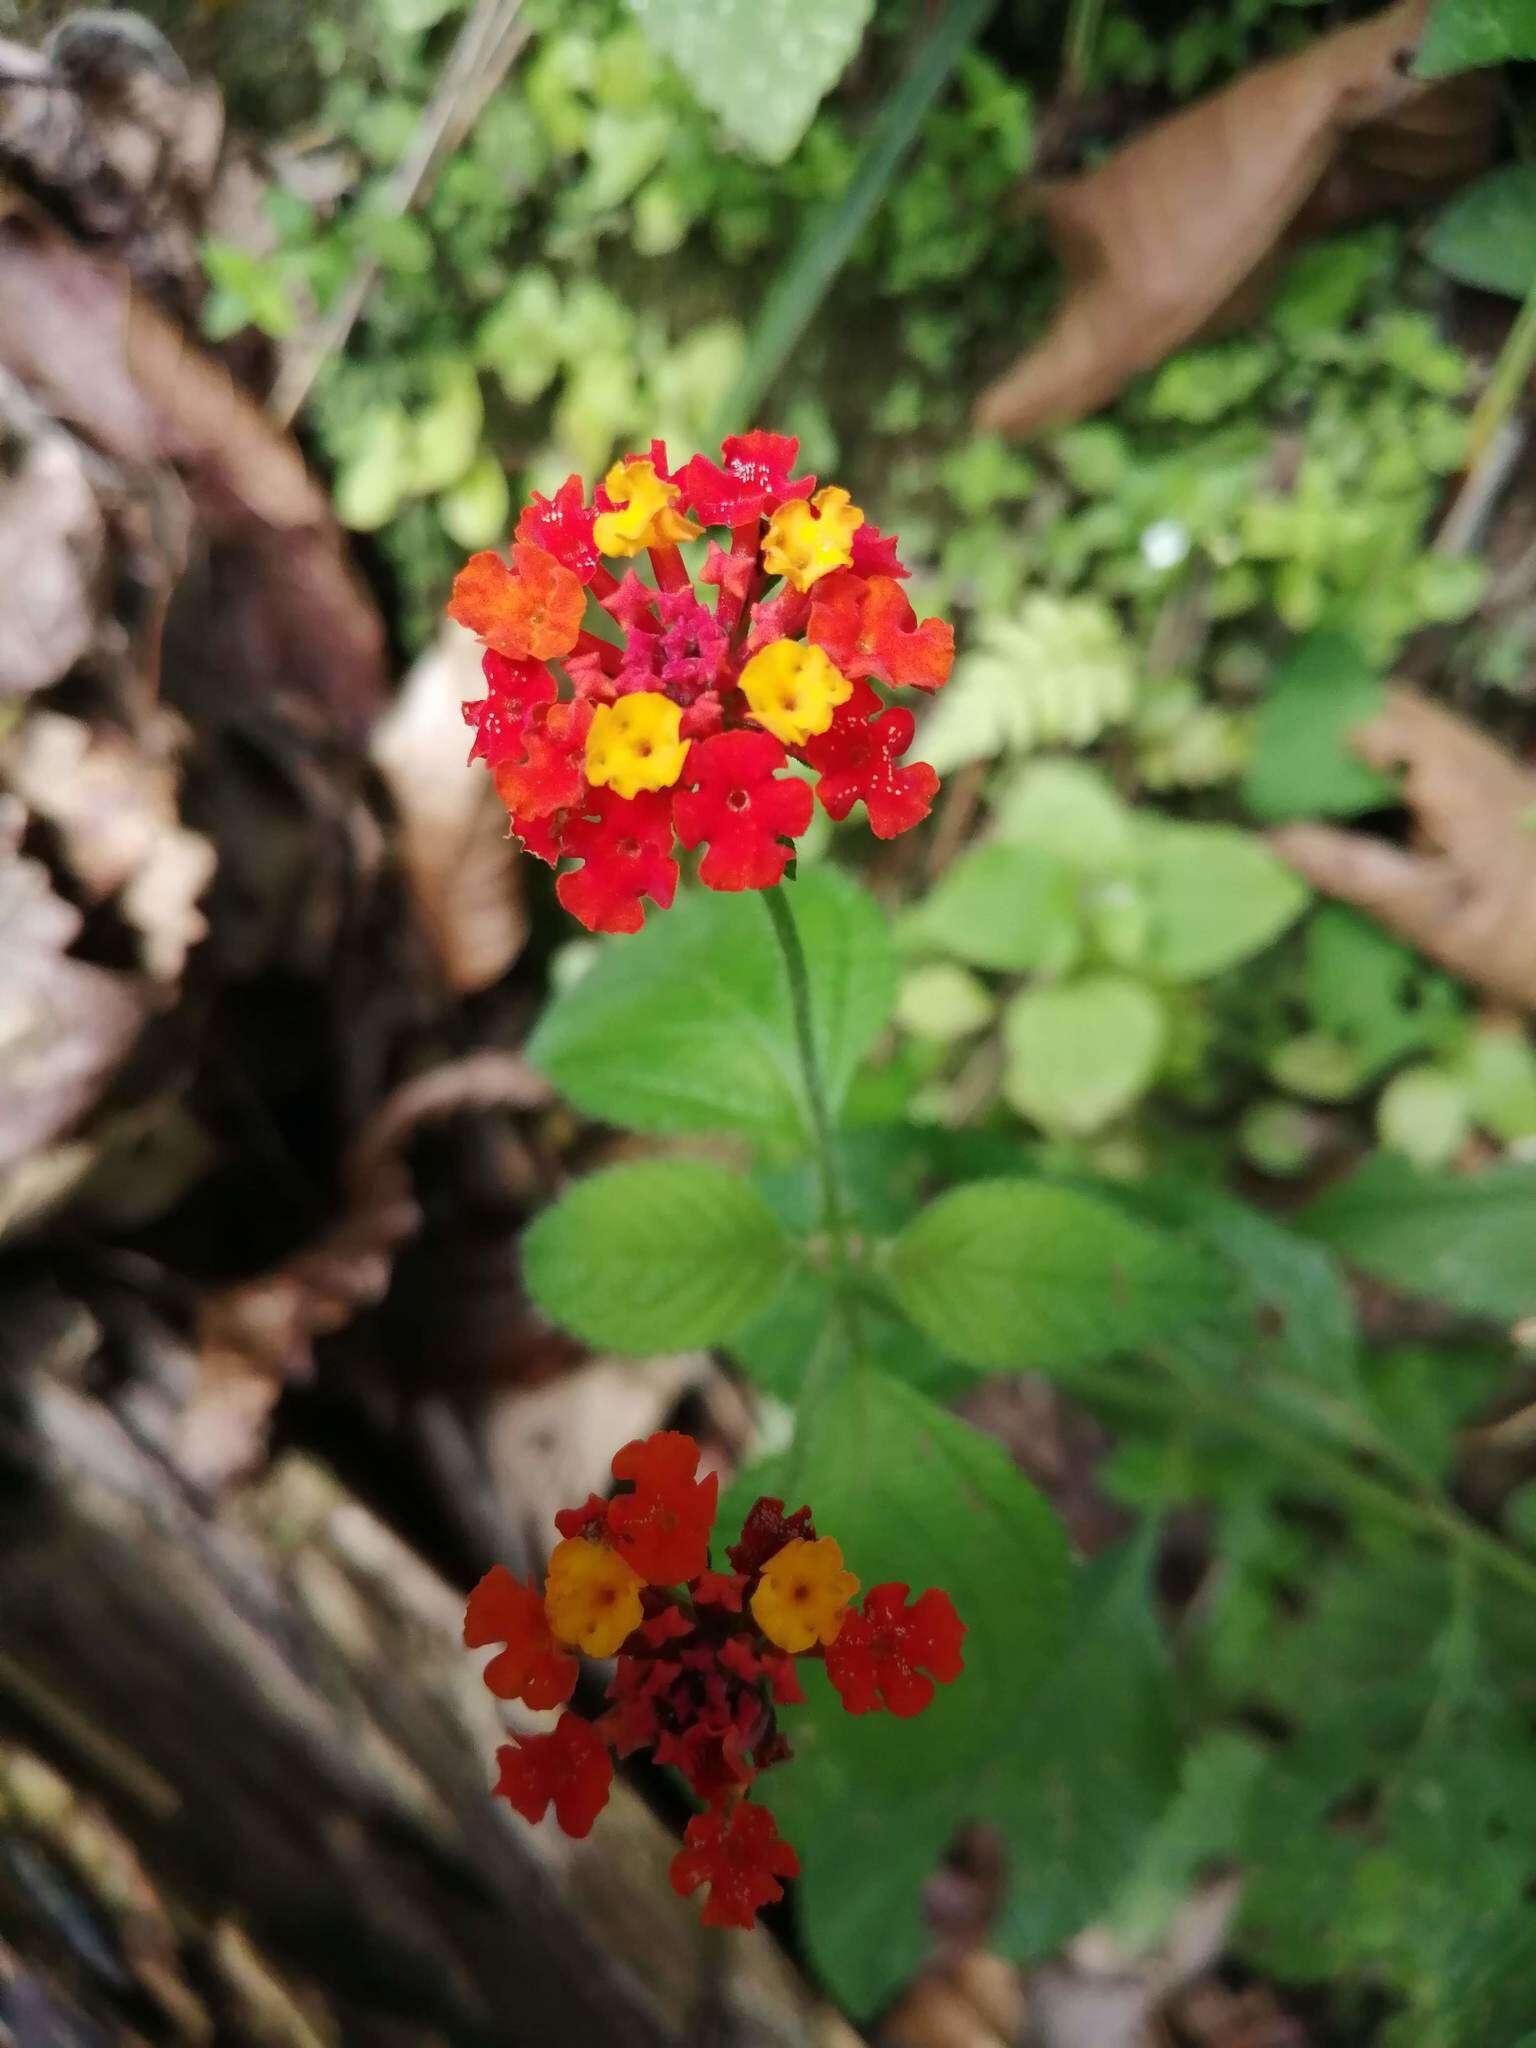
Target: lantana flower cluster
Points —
{"points": [[705, 1659], [613, 752]]}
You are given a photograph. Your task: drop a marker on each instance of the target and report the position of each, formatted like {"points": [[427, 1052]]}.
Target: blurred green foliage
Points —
{"points": [[1111, 998]]}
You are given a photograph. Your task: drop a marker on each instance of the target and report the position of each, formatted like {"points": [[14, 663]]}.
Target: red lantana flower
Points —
{"points": [[890, 1654], [742, 809], [624, 845], [859, 757], [532, 1668], [562, 526], [570, 1767], [705, 737], [704, 1660], [741, 1857], [662, 1528]]}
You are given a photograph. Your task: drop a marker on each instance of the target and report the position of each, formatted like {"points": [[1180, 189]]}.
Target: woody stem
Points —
{"points": [[824, 1368]]}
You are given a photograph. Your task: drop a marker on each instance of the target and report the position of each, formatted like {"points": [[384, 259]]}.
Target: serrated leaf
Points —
{"points": [[687, 1026], [1287, 1306], [1013, 1273], [1005, 907], [762, 66], [1301, 765], [1096, 1763], [1082, 1054], [1465, 1240], [870, 1802], [665, 1255], [1214, 897]]}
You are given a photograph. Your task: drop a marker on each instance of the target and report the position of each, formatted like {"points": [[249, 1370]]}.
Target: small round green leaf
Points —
{"points": [[661, 1256], [1080, 1055]]}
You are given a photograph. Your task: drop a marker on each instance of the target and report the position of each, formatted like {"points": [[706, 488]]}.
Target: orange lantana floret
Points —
{"points": [[532, 611]]}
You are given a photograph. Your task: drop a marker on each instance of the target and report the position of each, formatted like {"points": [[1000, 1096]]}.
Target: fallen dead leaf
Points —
{"points": [[1176, 230], [95, 351], [461, 866], [65, 1026], [114, 805], [1466, 894], [52, 548]]}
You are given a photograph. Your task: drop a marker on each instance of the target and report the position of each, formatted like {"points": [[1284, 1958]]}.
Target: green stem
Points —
{"points": [[1511, 374], [825, 1366], [1333, 1471]]}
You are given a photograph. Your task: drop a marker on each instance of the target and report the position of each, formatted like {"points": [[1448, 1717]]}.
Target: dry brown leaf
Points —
{"points": [[1466, 895], [1169, 234], [462, 868], [64, 1026], [52, 549], [96, 352], [114, 806]]}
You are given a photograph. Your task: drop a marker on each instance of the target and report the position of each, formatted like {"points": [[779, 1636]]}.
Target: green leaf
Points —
{"points": [[1371, 992], [1301, 766], [830, 234], [477, 511], [1014, 1273], [1069, 810], [1498, 1069], [1286, 1308], [762, 66], [665, 1255], [445, 434], [1215, 896], [1465, 1240], [1006, 907], [1096, 1762], [871, 1802], [943, 1003], [1424, 1114], [371, 486], [687, 1026], [1465, 35], [1487, 234], [1082, 1054], [1060, 674]]}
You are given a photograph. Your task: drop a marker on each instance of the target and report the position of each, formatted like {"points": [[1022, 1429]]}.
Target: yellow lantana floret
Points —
{"points": [[803, 1594], [793, 690], [806, 542], [591, 1597], [645, 516], [633, 744]]}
